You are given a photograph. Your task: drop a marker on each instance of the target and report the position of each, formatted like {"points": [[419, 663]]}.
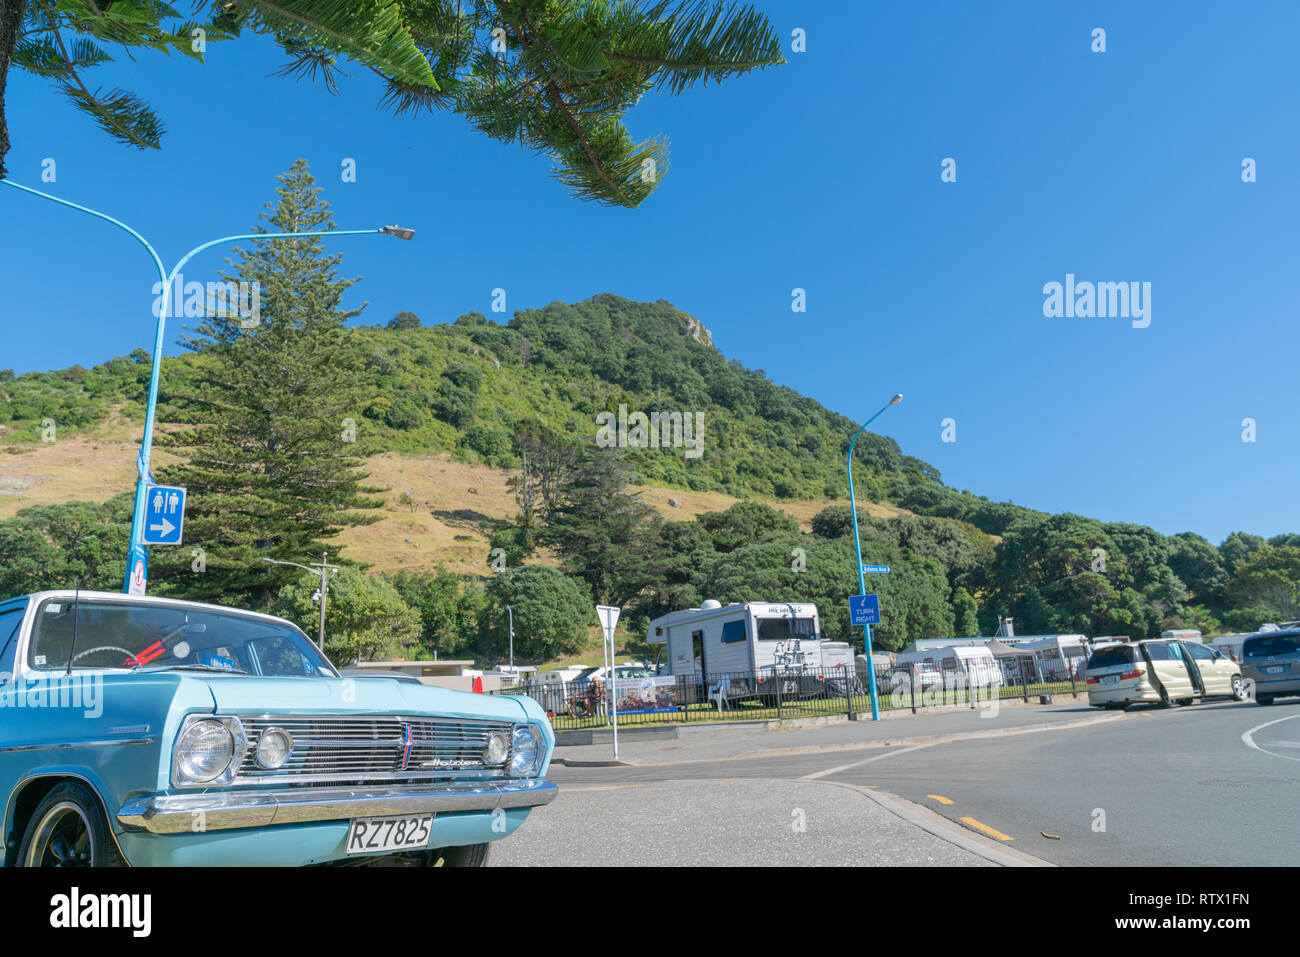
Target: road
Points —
{"points": [[1210, 784]]}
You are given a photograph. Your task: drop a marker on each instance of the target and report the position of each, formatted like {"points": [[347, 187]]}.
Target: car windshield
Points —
{"points": [[1109, 657], [155, 637], [1271, 645]]}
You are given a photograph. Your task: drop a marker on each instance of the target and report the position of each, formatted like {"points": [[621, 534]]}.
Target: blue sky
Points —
{"points": [[823, 174]]}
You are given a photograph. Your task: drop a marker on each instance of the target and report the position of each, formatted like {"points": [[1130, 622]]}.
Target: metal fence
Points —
{"points": [[768, 694]]}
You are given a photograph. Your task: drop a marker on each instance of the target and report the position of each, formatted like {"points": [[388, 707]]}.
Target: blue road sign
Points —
{"points": [[864, 610], [164, 515], [875, 569]]}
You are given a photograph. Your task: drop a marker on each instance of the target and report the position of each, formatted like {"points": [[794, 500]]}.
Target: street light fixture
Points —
{"points": [[323, 570], [137, 552], [857, 544]]}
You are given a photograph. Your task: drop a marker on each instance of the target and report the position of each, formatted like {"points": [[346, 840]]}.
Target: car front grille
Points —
{"points": [[332, 749]]}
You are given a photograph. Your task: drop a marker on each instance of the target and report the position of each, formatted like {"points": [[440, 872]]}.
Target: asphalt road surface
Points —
{"points": [[1209, 784]]}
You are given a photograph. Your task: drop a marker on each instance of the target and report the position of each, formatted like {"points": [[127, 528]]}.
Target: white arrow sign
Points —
{"points": [[608, 619], [166, 527]]}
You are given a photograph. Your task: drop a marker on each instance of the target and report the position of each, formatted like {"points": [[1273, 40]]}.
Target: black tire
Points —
{"points": [[1184, 702], [68, 829], [465, 855], [1264, 699]]}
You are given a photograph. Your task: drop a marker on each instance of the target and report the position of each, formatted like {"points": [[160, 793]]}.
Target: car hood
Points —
{"points": [[252, 694]]}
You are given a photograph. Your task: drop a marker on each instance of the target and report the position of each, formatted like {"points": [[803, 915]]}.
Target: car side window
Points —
{"points": [[11, 620], [1158, 652], [1200, 651]]}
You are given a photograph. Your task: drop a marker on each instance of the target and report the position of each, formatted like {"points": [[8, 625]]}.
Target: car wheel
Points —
{"points": [[1238, 688], [1264, 698], [68, 829], [465, 855]]}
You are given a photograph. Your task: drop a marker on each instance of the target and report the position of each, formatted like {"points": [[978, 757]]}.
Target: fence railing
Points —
{"points": [[773, 693]]}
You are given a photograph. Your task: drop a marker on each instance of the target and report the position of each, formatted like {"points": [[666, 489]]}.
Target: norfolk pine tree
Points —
{"points": [[554, 76], [271, 470]]}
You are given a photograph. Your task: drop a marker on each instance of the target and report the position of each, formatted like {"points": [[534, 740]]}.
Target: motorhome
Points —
{"points": [[743, 637]]}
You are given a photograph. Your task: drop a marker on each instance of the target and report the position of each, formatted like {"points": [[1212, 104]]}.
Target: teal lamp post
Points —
{"points": [[857, 544], [136, 565]]}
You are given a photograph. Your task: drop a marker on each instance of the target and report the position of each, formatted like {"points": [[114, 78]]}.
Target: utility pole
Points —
{"points": [[323, 569]]}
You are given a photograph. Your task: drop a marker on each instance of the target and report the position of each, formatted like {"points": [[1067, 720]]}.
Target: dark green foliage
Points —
{"points": [[746, 523], [1238, 547], [1199, 565], [74, 545], [449, 610], [552, 614], [366, 618], [404, 320], [554, 76], [603, 535]]}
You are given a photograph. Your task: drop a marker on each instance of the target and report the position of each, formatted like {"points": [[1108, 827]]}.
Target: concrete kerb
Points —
{"points": [[944, 829], [587, 736], [924, 740]]}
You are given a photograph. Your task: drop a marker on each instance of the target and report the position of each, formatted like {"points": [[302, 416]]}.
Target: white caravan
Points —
{"points": [[744, 637], [970, 665]]}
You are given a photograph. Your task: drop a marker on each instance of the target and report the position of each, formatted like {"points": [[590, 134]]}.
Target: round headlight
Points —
{"points": [[526, 750], [273, 748], [497, 748], [204, 751]]}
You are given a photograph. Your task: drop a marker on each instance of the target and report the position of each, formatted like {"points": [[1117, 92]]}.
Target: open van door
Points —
{"points": [[1168, 667]]}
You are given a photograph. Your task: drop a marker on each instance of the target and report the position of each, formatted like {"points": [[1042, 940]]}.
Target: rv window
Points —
{"points": [[733, 631], [782, 629]]}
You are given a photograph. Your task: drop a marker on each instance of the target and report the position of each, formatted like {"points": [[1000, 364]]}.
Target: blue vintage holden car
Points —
{"points": [[140, 730]]}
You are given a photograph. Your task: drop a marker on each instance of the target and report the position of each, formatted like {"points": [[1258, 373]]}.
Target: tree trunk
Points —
{"points": [[11, 22]]}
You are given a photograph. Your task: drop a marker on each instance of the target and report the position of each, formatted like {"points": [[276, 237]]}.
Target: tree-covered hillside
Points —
{"points": [[537, 397]]}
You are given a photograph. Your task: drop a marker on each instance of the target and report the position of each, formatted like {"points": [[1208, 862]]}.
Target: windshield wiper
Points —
{"points": [[198, 667]]}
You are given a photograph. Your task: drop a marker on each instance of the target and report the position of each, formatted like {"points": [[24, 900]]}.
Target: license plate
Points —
{"points": [[1110, 679], [1274, 669], [366, 835]]}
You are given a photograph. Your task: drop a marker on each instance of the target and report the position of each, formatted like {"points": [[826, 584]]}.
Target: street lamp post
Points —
{"points": [[137, 550], [857, 544], [511, 613], [323, 570]]}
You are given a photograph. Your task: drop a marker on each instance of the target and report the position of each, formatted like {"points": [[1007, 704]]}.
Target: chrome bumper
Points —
{"points": [[211, 811]]}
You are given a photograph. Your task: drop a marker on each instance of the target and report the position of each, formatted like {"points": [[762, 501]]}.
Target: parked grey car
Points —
{"points": [[1272, 662]]}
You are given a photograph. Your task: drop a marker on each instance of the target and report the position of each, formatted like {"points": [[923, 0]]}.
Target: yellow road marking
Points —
{"points": [[1054, 837], [940, 798], [870, 787], [984, 828]]}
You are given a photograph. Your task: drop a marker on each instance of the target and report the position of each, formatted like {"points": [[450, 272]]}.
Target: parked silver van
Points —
{"points": [[1272, 662]]}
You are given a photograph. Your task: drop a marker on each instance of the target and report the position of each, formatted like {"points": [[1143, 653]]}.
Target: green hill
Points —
{"points": [[454, 396]]}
